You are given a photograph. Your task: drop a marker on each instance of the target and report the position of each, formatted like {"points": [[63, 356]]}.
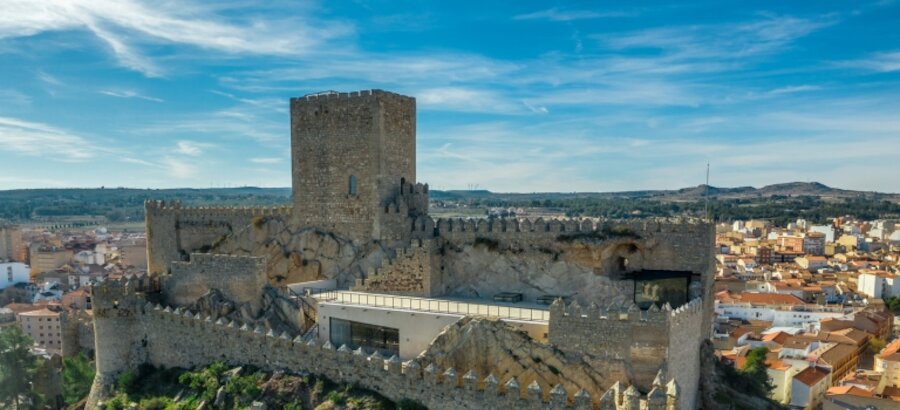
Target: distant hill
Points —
{"points": [[788, 189], [124, 204], [787, 200]]}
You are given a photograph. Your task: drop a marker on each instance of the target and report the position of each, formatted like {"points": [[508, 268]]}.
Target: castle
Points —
{"points": [[357, 282]]}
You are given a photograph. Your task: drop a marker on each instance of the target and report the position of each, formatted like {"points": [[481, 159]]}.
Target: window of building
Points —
{"points": [[661, 287], [352, 185], [371, 337]]}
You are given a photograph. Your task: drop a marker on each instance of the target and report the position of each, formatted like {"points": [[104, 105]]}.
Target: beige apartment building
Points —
{"points": [[45, 259], [10, 242], [888, 363], [44, 327], [133, 253]]}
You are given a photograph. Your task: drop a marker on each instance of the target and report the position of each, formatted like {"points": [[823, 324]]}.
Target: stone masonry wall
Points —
{"points": [[683, 361], [367, 136], [630, 344], [177, 338], [241, 279], [174, 231], [684, 241], [646, 343], [411, 273]]}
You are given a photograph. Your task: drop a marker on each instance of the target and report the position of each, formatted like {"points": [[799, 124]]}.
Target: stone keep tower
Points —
{"points": [[351, 153]]}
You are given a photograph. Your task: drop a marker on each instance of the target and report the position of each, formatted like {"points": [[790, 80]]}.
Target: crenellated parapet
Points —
{"points": [[334, 95], [609, 228], [648, 244], [411, 200], [203, 339], [175, 207], [111, 295], [643, 342], [515, 232], [614, 312]]}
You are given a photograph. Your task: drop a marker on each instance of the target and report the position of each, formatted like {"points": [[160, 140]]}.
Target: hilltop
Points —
{"points": [[788, 189], [813, 200]]}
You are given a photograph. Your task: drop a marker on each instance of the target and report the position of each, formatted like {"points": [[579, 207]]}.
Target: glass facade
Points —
{"points": [[661, 287], [371, 337]]}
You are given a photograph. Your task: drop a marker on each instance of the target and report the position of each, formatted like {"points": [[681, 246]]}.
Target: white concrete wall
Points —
{"points": [[785, 318], [800, 394], [417, 329], [19, 274], [325, 284], [870, 285]]}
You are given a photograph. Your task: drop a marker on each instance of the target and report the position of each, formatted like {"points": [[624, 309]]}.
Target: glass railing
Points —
{"points": [[432, 305]]}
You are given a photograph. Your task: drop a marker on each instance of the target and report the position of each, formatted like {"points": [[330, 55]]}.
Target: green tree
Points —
{"points": [[875, 345], [78, 374], [755, 368], [17, 366], [893, 303]]}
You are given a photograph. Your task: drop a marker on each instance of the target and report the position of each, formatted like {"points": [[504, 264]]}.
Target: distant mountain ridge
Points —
{"points": [[787, 189], [787, 200], [275, 195]]}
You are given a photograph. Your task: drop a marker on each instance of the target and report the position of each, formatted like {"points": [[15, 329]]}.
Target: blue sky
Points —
{"points": [[512, 96]]}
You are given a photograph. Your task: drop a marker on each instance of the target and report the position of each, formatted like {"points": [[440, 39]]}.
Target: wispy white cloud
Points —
{"points": [[266, 160], [727, 40], [180, 168], [129, 94], [555, 14], [190, 148], [462, 99], [37, 139], [418, 70], [46, 78], [126, 25], [14, 98], [138, 161], [794, 89], [880, 62], [245, 120]]}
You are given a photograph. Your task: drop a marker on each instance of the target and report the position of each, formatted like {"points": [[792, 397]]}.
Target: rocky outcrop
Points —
{"points": [[491, 346], [302, 254], [478, 271], [278, 313]]}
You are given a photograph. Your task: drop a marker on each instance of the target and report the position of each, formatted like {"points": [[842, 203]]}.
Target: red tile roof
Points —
{"points": [[770, 299], [811, 375], [891, 351], [850, 390]]}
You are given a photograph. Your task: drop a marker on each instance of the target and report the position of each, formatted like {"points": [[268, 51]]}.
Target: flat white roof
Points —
{"points": [[456, 307]]}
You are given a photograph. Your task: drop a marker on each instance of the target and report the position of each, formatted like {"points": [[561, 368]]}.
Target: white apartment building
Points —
{"points": [[12, 273], [878, 284], [803, 316]]}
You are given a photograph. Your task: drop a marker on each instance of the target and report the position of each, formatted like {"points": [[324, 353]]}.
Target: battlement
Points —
{"points": [[621, 312], [128, 285], [426, 383], [411, 200], [334, 95], [175, 207], [641, 342], [607, 227]]}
